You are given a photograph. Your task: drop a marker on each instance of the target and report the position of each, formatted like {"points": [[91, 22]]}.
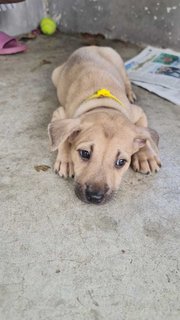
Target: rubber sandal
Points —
{"points": [[10, 45]]}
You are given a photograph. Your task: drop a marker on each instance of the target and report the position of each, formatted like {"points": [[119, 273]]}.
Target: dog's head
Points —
{"points": [[101, 145]]}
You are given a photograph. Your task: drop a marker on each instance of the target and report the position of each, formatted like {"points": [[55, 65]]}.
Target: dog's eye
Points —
{"points": [[120, 163], [84, 154]]}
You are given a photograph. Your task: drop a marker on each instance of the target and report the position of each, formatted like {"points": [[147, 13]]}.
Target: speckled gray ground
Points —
{"points": [[61, 258]]}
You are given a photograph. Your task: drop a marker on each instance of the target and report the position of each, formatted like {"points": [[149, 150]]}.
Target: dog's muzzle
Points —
{"points": [[92, 193]]}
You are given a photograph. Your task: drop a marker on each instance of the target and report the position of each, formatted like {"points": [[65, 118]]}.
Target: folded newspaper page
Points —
{"points": [[158, 71]]}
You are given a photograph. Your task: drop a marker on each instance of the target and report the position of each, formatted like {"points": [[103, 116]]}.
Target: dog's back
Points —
{"points": [[87, 70]]}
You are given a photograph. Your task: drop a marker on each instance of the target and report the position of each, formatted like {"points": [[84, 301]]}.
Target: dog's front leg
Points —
{"points": [[146, 160], [63, 164], [59, 114]]}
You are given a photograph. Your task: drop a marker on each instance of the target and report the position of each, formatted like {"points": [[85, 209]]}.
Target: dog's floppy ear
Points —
{"points": [[142, 135], [61, 130]]}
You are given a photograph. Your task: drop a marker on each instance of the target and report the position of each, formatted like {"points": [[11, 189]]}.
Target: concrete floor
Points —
{"points": [[61, 258]]}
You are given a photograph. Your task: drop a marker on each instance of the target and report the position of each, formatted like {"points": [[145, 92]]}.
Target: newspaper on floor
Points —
{"points": [[158, 71]]}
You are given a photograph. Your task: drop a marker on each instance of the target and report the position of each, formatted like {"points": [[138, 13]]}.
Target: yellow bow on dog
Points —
{"points": [[107, 94]]}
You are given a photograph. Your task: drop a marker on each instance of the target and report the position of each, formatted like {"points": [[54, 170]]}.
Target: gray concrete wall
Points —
{"points": [[155, 22], [24, 17]]}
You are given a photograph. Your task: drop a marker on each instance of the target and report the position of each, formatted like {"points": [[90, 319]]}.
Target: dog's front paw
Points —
{"points": [[145, 161], [64, 169], [131, 96]]}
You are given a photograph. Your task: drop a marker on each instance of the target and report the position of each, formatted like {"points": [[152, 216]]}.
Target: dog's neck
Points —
{"points": [[100, 104], [102, 108]]}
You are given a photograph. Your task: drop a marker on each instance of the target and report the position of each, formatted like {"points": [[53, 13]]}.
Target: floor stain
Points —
{"points": [[41, 167]]}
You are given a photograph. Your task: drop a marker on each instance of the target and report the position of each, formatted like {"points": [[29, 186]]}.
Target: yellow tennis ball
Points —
{"points": [[48, 26]]}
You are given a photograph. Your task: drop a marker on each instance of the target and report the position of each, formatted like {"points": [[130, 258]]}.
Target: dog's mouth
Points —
{"points": [[92, 194]]}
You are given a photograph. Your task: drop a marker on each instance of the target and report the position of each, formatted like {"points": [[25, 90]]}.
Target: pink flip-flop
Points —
{"points": [[10, 45]]}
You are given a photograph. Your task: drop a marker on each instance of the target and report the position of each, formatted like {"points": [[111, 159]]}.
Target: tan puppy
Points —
{"points": [[97, 129]]}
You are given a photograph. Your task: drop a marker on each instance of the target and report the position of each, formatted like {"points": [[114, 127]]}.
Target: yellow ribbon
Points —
{"points": [[107, 94]]}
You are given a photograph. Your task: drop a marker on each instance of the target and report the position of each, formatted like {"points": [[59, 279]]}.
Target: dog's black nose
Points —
{"points": [[93, 195]]}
